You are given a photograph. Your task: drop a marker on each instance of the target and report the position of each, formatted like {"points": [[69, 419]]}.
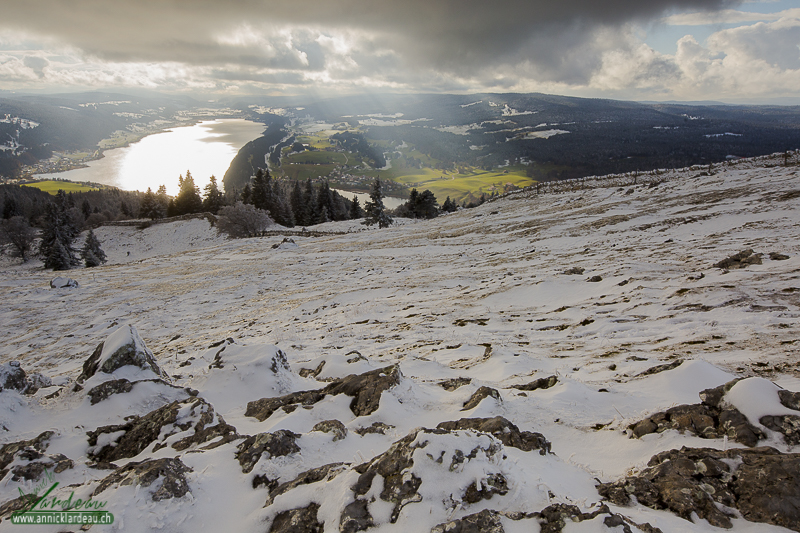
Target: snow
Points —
{"points": [[478, 294]]}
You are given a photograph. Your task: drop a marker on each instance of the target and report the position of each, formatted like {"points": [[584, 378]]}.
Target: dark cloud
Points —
{"points": [[444, 34]]}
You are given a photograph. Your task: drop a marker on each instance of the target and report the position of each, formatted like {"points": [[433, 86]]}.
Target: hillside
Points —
{"points": [[579, 315]]}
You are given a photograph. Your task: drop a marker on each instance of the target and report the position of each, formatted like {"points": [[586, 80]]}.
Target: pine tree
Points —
{"points": [[214, 199], [449, 206], [151, 206], [247, 195], [58, 235], [355, 209], [298, 206], [310, 204], [91, 253], [375, 210], [188, 199]]}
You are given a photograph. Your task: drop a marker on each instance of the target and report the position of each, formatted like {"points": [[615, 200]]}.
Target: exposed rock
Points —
{"points": [[33, 449], [789, 399], [332, 426], [553, 518], [197, 419], [34, 470], [479, 395], [315, 475], [365, 389], [355, 517], [171, 471], [705, 421], [503, 430], [108, 388], [486, 521], [312, 372], [356, 357], [376, 427], [286, 244], [775, 256], [452, 384], [541, 383], [277, 444], [787, 425], [595, 279], [661, 368], [122, 348], [13, 377], [574, 271], [713, 397], [741, 260], [61, 282], [302, 520], [486, 488], [762, 483]]}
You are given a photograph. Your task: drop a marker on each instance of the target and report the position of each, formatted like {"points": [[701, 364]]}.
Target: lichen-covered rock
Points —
{"points": [[478, 396], [303, 520], [790, 400], [787, 425], [194, 417], [365, 389], [486, 521], [315, 475], [332, 426], [124, 347], [109, 388], [541, 383], [170, 471], [33, 448], [761, 483], [503, 430], [40, 463], [277, 444], [375, 428], [713, 397]]}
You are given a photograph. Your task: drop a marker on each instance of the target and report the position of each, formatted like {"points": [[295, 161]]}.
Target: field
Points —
{"points": [[53, 186], [459, 186]]}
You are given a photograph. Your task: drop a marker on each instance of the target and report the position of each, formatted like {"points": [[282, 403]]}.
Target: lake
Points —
{"points": [[205, 149]]}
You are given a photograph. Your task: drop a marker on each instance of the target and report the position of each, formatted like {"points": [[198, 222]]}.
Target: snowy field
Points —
{"points": [[482, 294]]}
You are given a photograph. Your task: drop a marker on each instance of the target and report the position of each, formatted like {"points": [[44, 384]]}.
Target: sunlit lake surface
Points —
{"points": [[205, 149]]}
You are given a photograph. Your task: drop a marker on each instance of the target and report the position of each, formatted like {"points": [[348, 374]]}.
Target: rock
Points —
{"points": [[375, 428], [197, 419], [312, 372], [332, 426], [452, 384], [787, 425], [302, 520], [503, 430], [355, 517], [713, 397], [789, 399], [61, 282], [479, 395], [775, 256], [13, 377], [553, 518], [741, 260], [595, 279], [277, 444], [486, 521], [108, 388], [366, 390], [541, 383], [171, 471], [315, 475], [33, 448], [286, 244], [661, 368], [123, 347], [761, 483], [574, 271], [486, 488], [34, 470]]}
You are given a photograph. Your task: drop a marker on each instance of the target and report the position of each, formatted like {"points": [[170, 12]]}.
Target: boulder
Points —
{"points": [[503, 430], [277, 444], [541, 383], [486, 521], [302, 520], [61, 282], [13, 377], [124, 347], [332, 426], [743, 259], [315, 475], [452, 384], [478, 396], [171, 472]]}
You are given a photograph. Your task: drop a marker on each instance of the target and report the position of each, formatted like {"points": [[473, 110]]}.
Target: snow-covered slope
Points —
{"points": [[490, 295]]}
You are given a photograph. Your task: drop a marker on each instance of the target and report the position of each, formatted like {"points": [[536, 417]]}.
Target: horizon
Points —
{"points": [[728, 51]]}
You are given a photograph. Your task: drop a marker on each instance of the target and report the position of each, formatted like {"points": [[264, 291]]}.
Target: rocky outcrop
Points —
{"points": [[452, 384], [541, 383], [332, 426], [365, 389], [504, 431], [479, 395], [194, 416], [743, 259], [169, 475], [277, 444], [761, 483], [302, 520], [315, 475], [124, 347], [486, 521], [31, 459]]}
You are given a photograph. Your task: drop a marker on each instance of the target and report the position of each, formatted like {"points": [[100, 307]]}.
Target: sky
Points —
{"points": [[685, 50]]}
